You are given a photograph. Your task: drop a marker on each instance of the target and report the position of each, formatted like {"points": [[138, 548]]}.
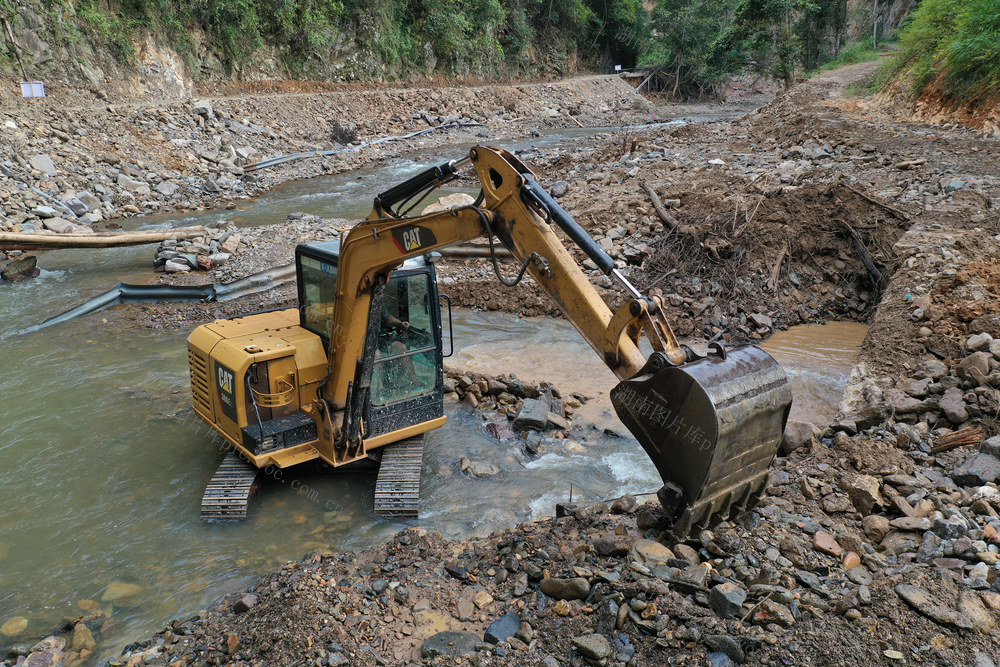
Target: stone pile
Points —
{"points": [[937, 396], [201, 253], [512, 406]]}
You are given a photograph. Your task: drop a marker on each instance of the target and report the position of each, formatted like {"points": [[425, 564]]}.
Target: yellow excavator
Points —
{"points": [[355, 371]]}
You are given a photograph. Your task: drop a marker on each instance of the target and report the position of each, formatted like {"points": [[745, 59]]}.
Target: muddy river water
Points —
{"points": [[102, 462]]}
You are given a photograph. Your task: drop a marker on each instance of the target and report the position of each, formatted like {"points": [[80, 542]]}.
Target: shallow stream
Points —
{"points": [[102, 462]]}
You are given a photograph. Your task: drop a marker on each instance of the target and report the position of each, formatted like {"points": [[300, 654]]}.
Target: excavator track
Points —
{"points": [[227, 495], [397, 489]]}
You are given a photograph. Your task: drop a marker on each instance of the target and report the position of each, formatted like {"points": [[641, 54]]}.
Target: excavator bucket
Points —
{"points": [[711, 426]]}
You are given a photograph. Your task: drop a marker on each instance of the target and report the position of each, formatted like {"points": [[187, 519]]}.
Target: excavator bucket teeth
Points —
{"points": [[711, 427]]}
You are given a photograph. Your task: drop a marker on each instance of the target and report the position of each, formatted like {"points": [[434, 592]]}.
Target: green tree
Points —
{"points": [[761, 38], [683, 32]]}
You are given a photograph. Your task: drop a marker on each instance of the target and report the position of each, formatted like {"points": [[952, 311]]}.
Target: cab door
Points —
{"points": [[406, 384]]}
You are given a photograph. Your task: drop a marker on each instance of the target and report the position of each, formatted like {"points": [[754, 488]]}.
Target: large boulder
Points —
{"points": [[798, 435], [20, 268], [975, 367], [977, 470], [533, 415], [952, 404]]}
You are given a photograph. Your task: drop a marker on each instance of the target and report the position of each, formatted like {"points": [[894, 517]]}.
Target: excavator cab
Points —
{"points": [[405, 344]]}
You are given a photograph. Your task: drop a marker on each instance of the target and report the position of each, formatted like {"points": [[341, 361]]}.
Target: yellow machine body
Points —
{"points": [[323, 381]]}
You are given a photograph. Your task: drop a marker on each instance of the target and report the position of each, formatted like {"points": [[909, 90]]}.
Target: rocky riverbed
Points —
{"points": [[877, 539]]}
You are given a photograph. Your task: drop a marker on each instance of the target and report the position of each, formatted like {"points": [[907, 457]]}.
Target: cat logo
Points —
{"points": [[411, 238], [225, 381]]}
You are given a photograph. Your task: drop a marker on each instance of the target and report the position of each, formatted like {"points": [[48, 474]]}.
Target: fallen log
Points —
{"points": [[22, 241], [669, 221]]}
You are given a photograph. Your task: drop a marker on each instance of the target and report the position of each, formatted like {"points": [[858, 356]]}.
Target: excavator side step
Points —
{"points": [[397, 489], [228, 492]]}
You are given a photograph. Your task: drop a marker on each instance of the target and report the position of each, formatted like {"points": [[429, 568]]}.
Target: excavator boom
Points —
{"points": [[711, 425]]}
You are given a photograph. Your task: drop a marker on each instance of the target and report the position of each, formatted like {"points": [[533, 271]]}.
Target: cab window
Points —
{"points": [[406, 355], [319, 291]]}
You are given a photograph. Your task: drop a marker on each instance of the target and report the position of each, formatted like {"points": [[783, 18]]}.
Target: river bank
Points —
{"points": [[869, 546], [87, 166]]}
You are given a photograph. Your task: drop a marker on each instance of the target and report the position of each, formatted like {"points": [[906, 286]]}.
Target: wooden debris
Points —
{"points": [[970, 435], [902, 215], [772, 282], [669, 221]]}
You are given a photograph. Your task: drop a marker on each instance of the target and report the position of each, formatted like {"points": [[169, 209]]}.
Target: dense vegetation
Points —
{"points": [[704, 41], [951, 48], [405, 37]]}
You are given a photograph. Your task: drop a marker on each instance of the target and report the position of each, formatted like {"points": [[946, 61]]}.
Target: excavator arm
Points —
{"points": [[711, 426]]}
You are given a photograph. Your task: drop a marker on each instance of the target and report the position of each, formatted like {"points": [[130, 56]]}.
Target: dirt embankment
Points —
{"points": [[86, 166]]}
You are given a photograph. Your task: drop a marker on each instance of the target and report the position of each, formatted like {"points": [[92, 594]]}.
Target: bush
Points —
{"points": [[954, 44]]}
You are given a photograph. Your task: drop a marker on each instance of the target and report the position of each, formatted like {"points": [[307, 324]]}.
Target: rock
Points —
{"points": [[14, 627], [798, 435], [977, 470], [576, 588], [954, 186], [770, 611], [863, 490], [932, 369], [533, 416], [761, 320], [694, 576], [559, 188], [482, 599], [823, 541], [726, 644], [836, 502], [974, 367], [83, 638], [726, 599], [167, 189], [478, 468], [611, 545], [120, 590], [952, 404], [448, 202], [44, 212], [594, 646], [902, 403], [245, 603], [978, 342], [950, 529], [43, 163], [20, 268], [89, 200], [650, 552], [627, 503], [503, 628], [914, 524], [132, 185], [202, 108], [450, 644], [58, 225], [176, 266], [875, 526], [991, 446], [922, 601]]}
